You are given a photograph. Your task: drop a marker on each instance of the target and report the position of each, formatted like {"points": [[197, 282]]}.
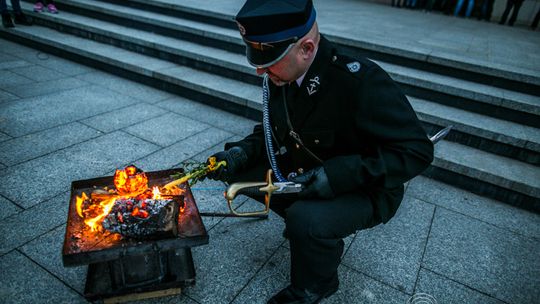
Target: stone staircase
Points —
{"points": [[493, 150]]}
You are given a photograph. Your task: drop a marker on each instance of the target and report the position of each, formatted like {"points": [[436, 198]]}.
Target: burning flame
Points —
{"points": [[130, 182]]}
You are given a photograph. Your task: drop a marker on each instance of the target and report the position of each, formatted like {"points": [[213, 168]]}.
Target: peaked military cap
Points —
{"points": [[271, 27]]}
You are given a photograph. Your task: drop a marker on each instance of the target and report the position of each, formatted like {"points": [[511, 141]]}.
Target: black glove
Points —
{"points": [[316, 184], [236, 160]]}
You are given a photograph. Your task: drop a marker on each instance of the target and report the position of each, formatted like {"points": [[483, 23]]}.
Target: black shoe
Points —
{"points": [[21, 18], [6, 20], [292, 295]]}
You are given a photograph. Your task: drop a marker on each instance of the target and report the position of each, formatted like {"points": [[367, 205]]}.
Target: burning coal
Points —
{"points": [[132, 209]]}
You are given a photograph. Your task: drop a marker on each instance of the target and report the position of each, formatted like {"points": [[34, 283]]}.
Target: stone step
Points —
{"points": [[487, 174], [500, 103], [515, 182], [222, 13], [482, 132], [479, 131]]}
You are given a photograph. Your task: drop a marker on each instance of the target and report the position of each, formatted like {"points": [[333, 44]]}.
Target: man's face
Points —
{"points": [[286, 70]]}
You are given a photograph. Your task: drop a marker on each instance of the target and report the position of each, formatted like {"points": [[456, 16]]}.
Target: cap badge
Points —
{"points": [[354, 66], [313, 85], [241, 28]]}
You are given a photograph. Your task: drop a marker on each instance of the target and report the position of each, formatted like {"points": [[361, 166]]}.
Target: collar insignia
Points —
{"points": [[313, 86], [354, 66]]}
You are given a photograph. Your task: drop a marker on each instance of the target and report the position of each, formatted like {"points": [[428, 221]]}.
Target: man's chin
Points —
{"points": [[278, 82]]}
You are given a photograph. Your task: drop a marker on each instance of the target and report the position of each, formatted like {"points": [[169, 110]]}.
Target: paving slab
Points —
{"points": [[22, 227], [46, 251], [212, 116], [38, 73], [444, 290], [28, 115], [46, 87], [124, 117], [237, 249], [7, 208], [27, 186], [23, 281], [173, 155], [392, 253], [484, 209], [6, 96], [4, 137], [126, 87], [37, 144], [13, 63], [167, 129], [355, 288], [58, 64], [491, 260], [8, 78]]}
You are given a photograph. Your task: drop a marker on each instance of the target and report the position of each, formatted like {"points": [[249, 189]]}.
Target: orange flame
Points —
{"points": [[130, 181]]}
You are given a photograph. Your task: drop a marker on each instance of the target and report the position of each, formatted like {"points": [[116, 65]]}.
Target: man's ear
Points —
{"points": [[308, 47]]}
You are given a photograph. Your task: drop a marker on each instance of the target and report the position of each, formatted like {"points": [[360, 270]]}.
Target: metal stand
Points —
{"points": [[140, 274]]}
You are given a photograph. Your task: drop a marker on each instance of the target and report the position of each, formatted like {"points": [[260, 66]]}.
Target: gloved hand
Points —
{"points": [[316, 184], [236, 159]]}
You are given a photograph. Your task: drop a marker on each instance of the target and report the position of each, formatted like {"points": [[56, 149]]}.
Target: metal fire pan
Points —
{"points": [[82, 246]]}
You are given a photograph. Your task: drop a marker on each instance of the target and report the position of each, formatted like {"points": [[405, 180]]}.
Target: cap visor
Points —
{"points": [[268, 57]]}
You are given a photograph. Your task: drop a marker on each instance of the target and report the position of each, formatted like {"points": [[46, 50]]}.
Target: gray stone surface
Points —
{"points": [[22, 227], [6, 96], [357, 288], [444, 290], [392, 252], [28, 115], [494, 261], [124, 117], [237, 249], [126, 87], [22, 281], [212, 116], [46, 87], [4, 137], [475, 206], [501, 171], [46, 251], [478, 125], [273, 277], [5, 65], [167, 129], [37, 144], [27, 186], [38, 73], [173, 155], [61, 65], [7, 208], [8, 78]]}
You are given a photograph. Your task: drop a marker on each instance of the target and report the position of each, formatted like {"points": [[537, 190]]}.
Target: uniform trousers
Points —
{"points": [[315, 229]]}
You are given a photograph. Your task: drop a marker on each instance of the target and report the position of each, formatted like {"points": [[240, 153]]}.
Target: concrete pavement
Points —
{"points": [[61, 121]]}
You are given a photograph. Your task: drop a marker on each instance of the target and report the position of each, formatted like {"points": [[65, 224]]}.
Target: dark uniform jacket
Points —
{"points": [[356, 119]]}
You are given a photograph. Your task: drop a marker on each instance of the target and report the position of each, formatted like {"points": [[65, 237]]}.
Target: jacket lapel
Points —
{"points": [[313, 83]]}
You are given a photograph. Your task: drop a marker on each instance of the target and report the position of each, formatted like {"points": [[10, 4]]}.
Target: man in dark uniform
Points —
{"points": [[337, 125]]}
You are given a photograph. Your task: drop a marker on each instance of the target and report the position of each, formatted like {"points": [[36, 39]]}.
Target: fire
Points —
{"points": [[130, 183]]}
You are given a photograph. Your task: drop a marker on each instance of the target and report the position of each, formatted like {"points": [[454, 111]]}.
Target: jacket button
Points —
{"points": [[297, 146], [301, 170], [334, 58], [316, 141]]}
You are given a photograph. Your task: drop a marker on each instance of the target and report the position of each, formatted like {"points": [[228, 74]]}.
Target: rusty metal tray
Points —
{"points": [[82, 247]]}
